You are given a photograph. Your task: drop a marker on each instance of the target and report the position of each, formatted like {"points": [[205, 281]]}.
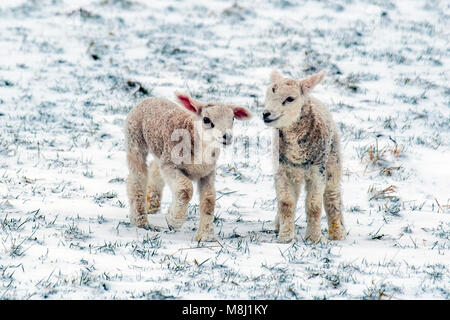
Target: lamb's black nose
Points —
{"points": [[266, 115], [226, 139]]}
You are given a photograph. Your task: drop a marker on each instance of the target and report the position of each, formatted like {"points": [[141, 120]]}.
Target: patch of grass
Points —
{"points": [[385, 193], [73, 232], [103, 197], [380, 291]]}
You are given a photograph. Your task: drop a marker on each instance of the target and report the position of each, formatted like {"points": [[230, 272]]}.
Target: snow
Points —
{"points": [[64, 227]]}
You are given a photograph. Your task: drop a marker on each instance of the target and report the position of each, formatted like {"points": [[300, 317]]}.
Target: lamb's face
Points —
{"points": [[217, 121], [286, 97], [283, 104], [216, 118]]}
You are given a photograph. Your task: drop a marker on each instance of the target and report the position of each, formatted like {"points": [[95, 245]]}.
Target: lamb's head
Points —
{"points": [[285, 98], [216, 118]]}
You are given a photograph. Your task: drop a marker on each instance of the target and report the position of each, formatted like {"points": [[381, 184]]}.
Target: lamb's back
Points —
{"points": [[160, 117]]}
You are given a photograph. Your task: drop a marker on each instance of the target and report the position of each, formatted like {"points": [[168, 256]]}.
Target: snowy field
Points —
{"points": [[71, 70]]}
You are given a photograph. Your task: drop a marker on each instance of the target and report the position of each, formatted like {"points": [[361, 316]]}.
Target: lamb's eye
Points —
{"points": [[206, 120], [288, 100]]}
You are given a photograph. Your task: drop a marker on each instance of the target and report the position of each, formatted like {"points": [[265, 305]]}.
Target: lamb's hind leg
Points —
{"points": [[333, 205], [182, 191], [154, 188], [137, 183]]}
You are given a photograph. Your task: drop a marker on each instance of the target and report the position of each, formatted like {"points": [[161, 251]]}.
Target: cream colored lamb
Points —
{"points": [[307, 151], [184, 143]]}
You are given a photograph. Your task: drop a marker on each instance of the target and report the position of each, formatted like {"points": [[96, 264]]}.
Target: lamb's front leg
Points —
{"points": [[182, 192], [315, 186], [287, 195], [205, 230]]}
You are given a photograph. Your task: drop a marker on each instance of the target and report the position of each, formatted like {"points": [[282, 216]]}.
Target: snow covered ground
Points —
{"points": [[71, 70]]}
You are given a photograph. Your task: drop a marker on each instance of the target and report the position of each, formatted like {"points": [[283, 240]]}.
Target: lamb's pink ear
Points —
{"points": [[189, 103], [241, 113], [275, 76], [306, 85]]}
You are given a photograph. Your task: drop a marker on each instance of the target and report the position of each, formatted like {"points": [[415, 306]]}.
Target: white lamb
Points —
{"points": [[307, 152], [151, 127]]}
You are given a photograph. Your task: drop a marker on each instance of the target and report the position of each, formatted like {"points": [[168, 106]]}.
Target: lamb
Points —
{"points": [[155, 126], [306, 151]]}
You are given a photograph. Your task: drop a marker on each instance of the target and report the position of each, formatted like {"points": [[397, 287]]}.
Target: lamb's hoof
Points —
{"points": [[152, 210], [142, 222], [336, 234], [205, 237], [174, 224], [313, 235], [153, 202], [286, 237]]}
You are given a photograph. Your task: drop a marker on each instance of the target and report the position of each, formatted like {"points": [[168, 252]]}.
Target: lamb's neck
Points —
{"points": [[301, 128]]}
